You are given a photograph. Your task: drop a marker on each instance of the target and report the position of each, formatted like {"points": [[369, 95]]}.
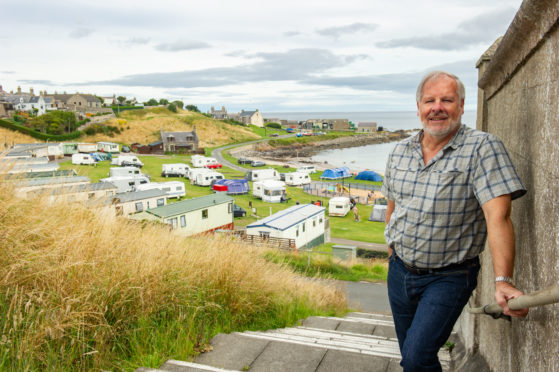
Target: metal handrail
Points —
{"points": [[546, 296]]}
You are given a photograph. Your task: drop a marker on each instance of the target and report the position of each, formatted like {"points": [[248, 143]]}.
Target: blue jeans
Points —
{"points": [[425, 308]]}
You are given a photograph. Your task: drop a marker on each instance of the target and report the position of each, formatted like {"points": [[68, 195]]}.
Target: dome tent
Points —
{"points": [[369, 175], [336, 173]]}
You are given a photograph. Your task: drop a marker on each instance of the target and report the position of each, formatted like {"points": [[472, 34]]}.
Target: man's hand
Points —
{"points": [[505, 292]]}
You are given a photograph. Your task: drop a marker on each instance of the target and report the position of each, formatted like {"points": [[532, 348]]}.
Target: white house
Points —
{"points": [[251, 117], [128, 203], [305, 223], [194, 216]]}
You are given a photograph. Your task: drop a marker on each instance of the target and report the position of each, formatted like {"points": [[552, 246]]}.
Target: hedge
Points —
{"points": [[117, 108], [38, 135]]}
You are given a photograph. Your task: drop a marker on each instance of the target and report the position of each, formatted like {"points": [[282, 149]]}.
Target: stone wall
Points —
{"points": [[519, 102]]}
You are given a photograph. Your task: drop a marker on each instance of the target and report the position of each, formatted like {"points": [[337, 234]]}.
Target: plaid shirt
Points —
{"points": [[438, 220]]}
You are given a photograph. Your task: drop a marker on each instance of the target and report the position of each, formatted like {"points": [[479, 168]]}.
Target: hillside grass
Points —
{"points": [[83, 291]]}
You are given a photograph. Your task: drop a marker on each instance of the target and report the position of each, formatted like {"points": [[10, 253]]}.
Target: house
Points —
{"points": [[128, 203], [367, 127], [109, 101], [305, 223], [78, 102], [180, 142], [79, 193], [326, 124], [219, 114], [251, 117], [194, 216]]}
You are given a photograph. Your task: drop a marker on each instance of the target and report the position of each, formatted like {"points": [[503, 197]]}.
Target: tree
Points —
{"points": [[179, 104], [121, 99], [192, 108], [163, 101], [151, 102], [172, 107]]}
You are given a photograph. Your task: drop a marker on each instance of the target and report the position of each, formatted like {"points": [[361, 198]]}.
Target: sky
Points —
{"points": [[280, 56]]}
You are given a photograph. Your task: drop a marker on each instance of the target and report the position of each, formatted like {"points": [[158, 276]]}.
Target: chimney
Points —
{"points": [[31, 92], [18, 90]]}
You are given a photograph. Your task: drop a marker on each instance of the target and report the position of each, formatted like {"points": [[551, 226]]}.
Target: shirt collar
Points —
{"points": [[456, 141]]}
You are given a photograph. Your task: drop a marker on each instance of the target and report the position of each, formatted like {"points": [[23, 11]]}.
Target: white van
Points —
{"points": [[127, 183], [174, 170], [125, 160], [339, 206], [307, 169], [270, 191], [262, 174], [297, 178], [207, 178], [80, 159], [173, 189], [125, 171]]}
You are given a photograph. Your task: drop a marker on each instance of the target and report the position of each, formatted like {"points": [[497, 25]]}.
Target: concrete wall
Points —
{"points": [[519, 102]]}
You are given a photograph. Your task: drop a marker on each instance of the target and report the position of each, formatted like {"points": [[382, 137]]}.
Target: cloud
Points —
{"points": [[8, 72], [81, 32], [336, 32], [41, 82], [133, 41], [181, 45], [482, 29], [291, 33]]}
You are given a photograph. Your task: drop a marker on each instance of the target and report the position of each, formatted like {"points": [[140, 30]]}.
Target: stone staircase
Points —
{"points": [[356, 342]]}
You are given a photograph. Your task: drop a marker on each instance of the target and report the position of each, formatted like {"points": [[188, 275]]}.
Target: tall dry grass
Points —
{"points": [[83, 292]]}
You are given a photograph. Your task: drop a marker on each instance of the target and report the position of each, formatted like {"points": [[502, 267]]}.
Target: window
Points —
{"points": [[304, 224], [160, 202], [139, 206], [314, 222], [230, 208], [297, 232], [131, 183], [204, 213], [91, 195], [173, 222], [320, 220], [183, 221]]}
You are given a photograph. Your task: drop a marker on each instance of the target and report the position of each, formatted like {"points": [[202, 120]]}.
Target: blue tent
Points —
{"points": [[369, 175], [234, 187], [336, 173]]}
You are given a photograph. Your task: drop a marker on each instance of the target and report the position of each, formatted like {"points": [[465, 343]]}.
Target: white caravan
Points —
{"points": [[126, 160], [125, 172], [173, 189], [270, 191], [339, 206], [126, 183], [84, 159], [174, 170], [108, 147], [297, 178], [194, 172], [307, 169], [87, 147], [207, 178], [262, 174], [199, 161]]}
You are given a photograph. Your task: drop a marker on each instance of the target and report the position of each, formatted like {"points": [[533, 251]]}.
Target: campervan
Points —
{"points": [[108, 147], [87, 147], [173, 189], [339, 206], [207, 178], [125, 160], [262, 174], [126, 183], [85, 159], [297, 178], [270, 191], [175, 170], [125, 172]]}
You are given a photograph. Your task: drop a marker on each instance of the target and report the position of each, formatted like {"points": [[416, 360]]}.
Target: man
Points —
{"points": [[448, 188]]}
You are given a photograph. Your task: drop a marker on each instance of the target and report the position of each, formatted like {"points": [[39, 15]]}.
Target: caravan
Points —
{"points": [[83, 159], [339, 206], [200, 161], [270, 191], [297, 178], [206, 178], [126, 160], [175, 170], [108, 147], [173, 189], [125, 172], [87, 147], [262, 174], [126, 183]]}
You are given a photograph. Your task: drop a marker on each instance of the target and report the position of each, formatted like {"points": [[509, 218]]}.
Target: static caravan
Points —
{"points": [[194, 172], [199, 161], [339, 206], [125, 172], [304, 223], [173, 189], [297, 178], [307, 169], [262, 174], [270, 191], [69, 148], [126, 183], [126, 160], [108, 147], [201, 215], [87, 147], [128, 203], [207, 178], [83, 159], [174, 170], [28, 168]]}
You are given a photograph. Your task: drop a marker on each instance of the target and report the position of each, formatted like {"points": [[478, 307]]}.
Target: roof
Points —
{"points": [[190, 205], [247, 113], [180, 136], [137, 195], [53, 181], [363, 124], [289, 217], [75, 189], [42, 174]]}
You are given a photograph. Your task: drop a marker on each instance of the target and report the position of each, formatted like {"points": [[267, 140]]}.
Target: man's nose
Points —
{"points": [[437, 106]]}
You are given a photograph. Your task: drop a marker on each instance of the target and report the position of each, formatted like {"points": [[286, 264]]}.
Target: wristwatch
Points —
{"points": [[506, 279]]}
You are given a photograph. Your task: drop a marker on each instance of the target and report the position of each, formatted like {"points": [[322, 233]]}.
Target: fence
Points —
{"points": [[332, 189]]}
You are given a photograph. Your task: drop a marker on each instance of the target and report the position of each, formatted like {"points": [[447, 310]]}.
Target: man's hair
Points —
{"points": [[433, 75]]}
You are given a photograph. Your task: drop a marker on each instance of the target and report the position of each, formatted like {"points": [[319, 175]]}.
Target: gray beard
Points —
{"points": [[442, 133]]}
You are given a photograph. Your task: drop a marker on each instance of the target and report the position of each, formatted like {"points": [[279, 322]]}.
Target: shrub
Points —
{"points": [[274, 125], [172, 107]]}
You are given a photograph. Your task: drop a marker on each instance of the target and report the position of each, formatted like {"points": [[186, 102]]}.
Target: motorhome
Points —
{"points": [[174, 170], [108, 147], [173, 189], [126, 183], [262, 174], [339, 206], [125, 172], [87, 147], [297, 178], [126, 160], [270, 191], [207, 178], [83, 159]]}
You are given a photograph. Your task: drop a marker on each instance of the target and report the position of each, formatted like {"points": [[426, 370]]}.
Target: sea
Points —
{"points": [[370, 157]]}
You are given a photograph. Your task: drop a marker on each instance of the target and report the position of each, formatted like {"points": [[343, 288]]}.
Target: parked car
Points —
{"points": [[212, 166], [244, 161], [238, 211], [274, 135], [125, 148], [257, 163]]}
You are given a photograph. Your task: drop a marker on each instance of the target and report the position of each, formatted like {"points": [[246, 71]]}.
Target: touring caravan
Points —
{"points": [[126, 160], [108, 147], [262, 174], [307, 169], [174, 170], [87, 147], [297, 178], [83, 159], [126, 183], [192, 173], [207, 178], [339, 206], [125, 172], [173, 189], [270, 191]]}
